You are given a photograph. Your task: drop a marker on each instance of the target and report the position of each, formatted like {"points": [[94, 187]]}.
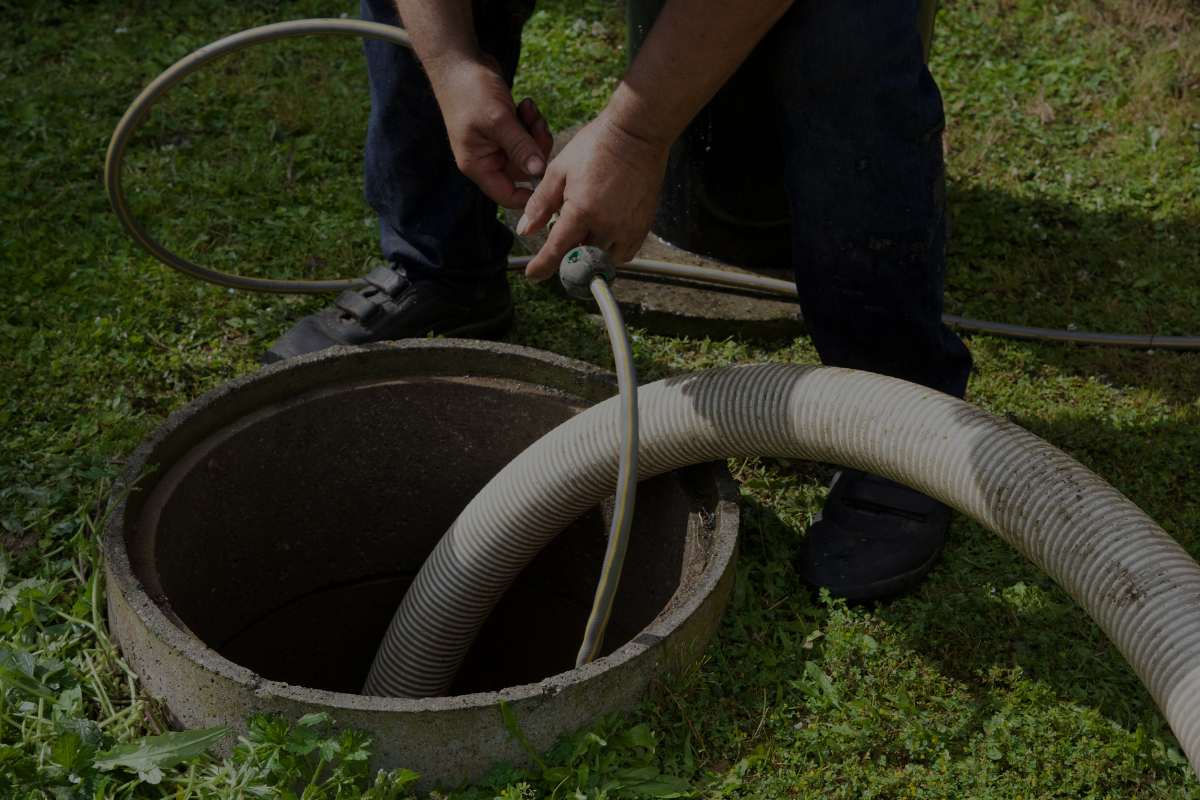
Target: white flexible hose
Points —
{"points": [[1136, 582]]}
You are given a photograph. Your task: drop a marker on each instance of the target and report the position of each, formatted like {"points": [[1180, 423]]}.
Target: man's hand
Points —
{"points": [[605, 183], [495, 143], [604, 186]]}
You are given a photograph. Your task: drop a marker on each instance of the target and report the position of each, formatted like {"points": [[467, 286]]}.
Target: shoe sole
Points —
{"points": [[491, 328], [885, 589], [894, 586]]}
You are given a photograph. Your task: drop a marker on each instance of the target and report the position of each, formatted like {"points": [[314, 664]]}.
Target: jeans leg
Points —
{"points": [[861, 119], [432, 219]]}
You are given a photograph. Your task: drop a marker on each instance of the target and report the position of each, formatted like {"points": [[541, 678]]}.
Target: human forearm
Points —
{"points": [[496, 143], [442, 31], [692, 49], [604, 184]]}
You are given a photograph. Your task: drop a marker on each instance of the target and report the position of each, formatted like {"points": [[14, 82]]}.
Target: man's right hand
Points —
{"points": [[495, 143]]}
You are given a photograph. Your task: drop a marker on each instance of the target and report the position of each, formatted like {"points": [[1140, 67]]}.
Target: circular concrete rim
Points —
{"points": [[724, 546]]}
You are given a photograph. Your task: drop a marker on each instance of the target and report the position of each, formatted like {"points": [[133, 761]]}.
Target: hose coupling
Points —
{"points": [[580, 265]]}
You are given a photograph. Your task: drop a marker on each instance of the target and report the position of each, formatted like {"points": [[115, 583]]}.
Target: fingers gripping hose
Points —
{"points": [[1136, 582]]}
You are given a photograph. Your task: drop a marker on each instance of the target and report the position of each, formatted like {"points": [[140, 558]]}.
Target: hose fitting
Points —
{"points": [[580, 265]]}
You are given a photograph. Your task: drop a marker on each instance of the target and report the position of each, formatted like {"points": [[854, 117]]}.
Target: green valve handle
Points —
{"points": [[580, 265]]}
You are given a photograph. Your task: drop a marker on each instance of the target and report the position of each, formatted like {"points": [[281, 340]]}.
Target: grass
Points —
{"points": [[1074, 161]]}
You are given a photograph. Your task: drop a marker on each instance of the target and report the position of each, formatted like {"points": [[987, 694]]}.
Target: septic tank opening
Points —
{"points": [[285, 540]]}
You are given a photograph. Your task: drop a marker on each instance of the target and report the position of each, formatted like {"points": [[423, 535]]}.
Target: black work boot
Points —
{"points": [[393, 306], [873, 539]]}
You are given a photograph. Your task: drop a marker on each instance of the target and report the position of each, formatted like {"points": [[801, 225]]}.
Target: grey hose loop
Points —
{"points": [[136, 114], [140, 107], [1136, 582]]}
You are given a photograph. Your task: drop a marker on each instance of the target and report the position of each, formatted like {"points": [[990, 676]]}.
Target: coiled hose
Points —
{"points": [[1136, 582], [140, 108]]}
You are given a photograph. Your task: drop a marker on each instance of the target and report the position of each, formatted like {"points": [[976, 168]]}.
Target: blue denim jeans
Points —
{"points": [[432, 219], [859, 118]]}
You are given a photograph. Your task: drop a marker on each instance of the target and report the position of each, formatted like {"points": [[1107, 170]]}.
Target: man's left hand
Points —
{"points": [[604, 187]]}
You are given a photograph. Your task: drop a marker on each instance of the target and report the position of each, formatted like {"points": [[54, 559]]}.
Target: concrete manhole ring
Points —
{"points": [[271, 527]]}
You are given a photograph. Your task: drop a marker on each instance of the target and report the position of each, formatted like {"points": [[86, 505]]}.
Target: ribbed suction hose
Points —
{"points": [[1136, 582]]}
